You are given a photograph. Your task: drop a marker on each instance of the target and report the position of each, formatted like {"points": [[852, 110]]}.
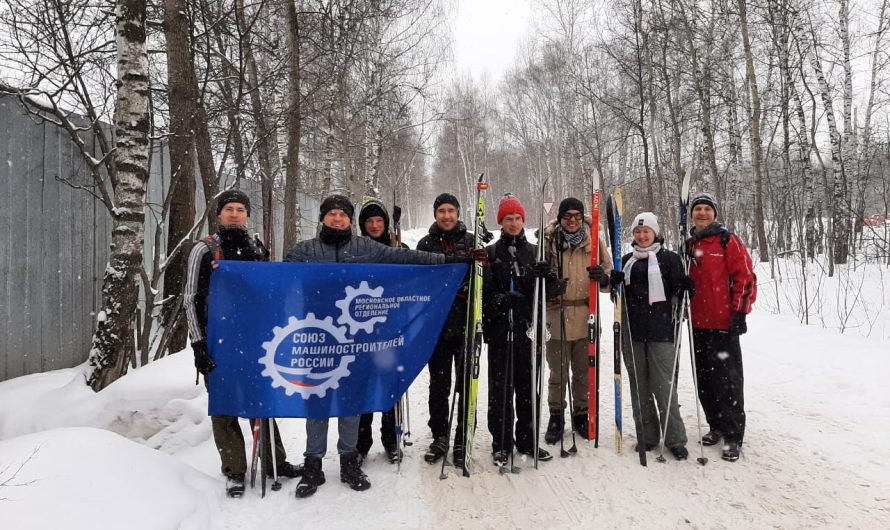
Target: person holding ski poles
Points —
{"points": [[336, 243], [373, 222], [508, 293], [654, 280], [230, 242], [568, 249], [726, 284], [448, 236]]}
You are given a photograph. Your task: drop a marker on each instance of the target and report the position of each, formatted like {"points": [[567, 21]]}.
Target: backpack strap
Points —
{"points": [[724, 239], [213, 245]]}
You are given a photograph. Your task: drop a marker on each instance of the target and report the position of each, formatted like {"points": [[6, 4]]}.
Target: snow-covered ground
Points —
{"points": [[140, 455]]}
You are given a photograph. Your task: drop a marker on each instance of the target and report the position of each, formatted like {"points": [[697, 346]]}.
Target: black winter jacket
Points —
{"points": [[654, 322], [501, 267], [358, 249], [455, 242]]}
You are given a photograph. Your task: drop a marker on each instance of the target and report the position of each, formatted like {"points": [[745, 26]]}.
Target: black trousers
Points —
{"points": [[501, 411], [387, 431], [718, 363], [448, 352]]}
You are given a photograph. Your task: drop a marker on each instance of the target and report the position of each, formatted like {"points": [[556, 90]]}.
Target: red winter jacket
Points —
{"points": [[724, 278]]}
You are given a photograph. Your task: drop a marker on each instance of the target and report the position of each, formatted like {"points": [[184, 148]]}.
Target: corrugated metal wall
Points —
{"points": [[54, 242]]}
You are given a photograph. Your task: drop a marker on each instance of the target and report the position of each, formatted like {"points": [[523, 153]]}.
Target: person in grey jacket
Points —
{"points": [[337, 243]]}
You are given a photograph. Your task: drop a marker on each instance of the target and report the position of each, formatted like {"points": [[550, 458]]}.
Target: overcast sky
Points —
{"points": [[486, 35]]}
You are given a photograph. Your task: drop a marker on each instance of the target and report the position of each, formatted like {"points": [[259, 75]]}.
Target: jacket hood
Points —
{"points": [[370, 209]]}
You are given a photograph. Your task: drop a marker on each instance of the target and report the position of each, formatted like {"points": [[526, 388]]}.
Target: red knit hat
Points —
{"points": [[509, 205]]}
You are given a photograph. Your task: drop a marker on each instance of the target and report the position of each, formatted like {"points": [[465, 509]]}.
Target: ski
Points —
{"points": [[614, 215], [592, 331], [537, 333], [474, 327]]}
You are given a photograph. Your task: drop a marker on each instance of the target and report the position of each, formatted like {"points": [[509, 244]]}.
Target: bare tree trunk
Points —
{"points": [[294, 122], [112, 344], [182, 101], [757, 152]]}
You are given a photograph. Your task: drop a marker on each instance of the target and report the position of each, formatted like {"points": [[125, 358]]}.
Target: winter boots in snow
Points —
{"points": [[543, 455], [287, 470], [554, 427], [679, 451], [235, 485], [438, 449], [351, 472], [731, 451], [579, 422], [712, 438], [393, 453], [313, 477], [458, 456], [500, 458]]}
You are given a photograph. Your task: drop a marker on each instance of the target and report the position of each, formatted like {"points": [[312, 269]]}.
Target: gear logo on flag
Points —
{"points": [[346, 317]]}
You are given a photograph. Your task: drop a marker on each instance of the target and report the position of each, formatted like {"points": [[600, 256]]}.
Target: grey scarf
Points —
{"points": [[575, 239], [653, 272]]}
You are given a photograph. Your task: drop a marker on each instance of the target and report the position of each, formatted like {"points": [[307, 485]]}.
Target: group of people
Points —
{"points": [[716, 277]]}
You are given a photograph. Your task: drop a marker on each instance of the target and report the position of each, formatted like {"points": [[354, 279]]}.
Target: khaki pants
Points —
{"points": [[230, 445], [575, 355]]}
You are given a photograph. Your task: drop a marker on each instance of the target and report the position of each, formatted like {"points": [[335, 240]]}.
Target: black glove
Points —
{"points": [[616, 278], [396, 214], [539, 269], [480, 255], [596, 274], [687, 285], [203, 361], [737, 325], [514, 300]]}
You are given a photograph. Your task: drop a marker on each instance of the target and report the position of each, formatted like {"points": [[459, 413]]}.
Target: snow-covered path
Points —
{"points": [[816, 455]]}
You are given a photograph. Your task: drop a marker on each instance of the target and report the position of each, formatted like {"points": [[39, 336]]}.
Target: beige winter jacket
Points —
{"points": [[574, 264]]}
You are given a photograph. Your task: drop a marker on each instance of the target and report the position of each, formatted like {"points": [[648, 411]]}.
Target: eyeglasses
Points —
{"points": [[575, 216]]}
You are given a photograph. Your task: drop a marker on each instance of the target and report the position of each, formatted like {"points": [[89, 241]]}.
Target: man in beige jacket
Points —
{"points": [[567, 243]]}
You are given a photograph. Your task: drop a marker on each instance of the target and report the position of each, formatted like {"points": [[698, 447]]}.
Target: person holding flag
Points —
{"points": [[337, 243]]}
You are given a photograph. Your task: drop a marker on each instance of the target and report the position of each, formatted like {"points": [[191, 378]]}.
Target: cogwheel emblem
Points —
{"points": [[305, 381], [346, 317]]}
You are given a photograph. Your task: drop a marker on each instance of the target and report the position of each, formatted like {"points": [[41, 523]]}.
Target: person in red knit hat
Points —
{"points": [[507, 297]]}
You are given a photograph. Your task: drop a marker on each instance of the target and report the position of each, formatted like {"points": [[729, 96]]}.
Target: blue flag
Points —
{"points": [[318, 340]]}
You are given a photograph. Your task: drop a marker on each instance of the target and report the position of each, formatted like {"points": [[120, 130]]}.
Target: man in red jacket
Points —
{"points": [[725, 287]]}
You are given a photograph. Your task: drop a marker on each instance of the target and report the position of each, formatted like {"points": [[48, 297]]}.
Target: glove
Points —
{"points": [[539, 269], [597, 273], [737, 325], [514, 300], [616, 278], [203, 361], [480, 255], [687, 285], [396, 214]]}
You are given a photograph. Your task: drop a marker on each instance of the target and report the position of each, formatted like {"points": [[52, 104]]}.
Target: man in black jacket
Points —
{"points": [[508, 295], [231, 242], [336, 243], [447, 235]]}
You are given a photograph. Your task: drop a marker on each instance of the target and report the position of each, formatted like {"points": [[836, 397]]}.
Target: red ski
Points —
{"points": [[593, 331]]}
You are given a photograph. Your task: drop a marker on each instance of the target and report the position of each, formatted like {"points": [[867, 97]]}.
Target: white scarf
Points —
{"points": [[653, 272]]}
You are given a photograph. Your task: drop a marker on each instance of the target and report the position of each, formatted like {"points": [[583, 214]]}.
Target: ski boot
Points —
{"points": [[287, 470], [235, 485], [312, 478], [731, 451], [543, 454], [437, 450], [500, 458], [554, 427], [679, 451], [393, 453], [351, 472], [712, 438], [579, 423]]}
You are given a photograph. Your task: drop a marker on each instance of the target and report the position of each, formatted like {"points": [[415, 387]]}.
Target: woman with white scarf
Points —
{"points": [[653, 278]]}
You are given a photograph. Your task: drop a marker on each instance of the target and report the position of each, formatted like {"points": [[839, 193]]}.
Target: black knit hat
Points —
{"points": [[446, 198], [704, 198], [373, 208], [336, 202], [570, 203], [228, 196]]}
